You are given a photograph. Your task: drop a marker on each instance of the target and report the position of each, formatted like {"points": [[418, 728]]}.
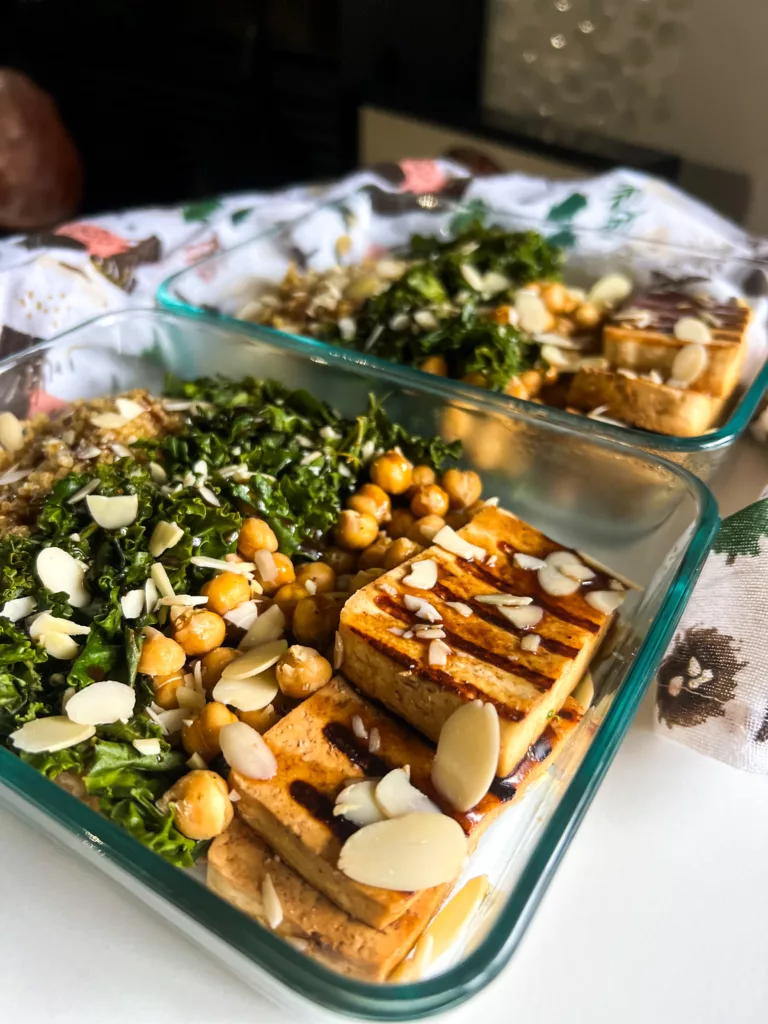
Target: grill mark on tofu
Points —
{"points": [[494, 618], [508, 663], [434, 675], [344, 740], [321, 808], [507, 586]]}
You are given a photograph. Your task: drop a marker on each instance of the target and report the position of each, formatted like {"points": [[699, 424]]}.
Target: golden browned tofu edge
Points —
{"points": [[239, 860]]}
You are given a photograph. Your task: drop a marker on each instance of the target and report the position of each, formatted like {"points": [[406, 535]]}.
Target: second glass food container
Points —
{"points": [[645, 518]]}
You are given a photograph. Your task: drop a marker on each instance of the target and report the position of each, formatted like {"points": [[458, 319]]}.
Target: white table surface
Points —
{"points": [[659, 911]]}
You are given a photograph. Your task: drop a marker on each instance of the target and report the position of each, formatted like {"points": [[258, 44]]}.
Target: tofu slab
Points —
{"points": [[653, 346], [318, 754], [645, 404], [239, 860], [487, 660]]}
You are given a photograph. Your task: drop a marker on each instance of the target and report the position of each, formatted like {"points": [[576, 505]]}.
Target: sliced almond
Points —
{"points": [[246, 751], [149, 747], [132, 604], [358, 804], [423, 575], [244, 615], [268, 626], [553, 582], [256, 660], [447, 539], [561, 359], [358, 728], [606, 601], [189, 698], [494, 282], [576, 571], [458, 606], [421, 608], [157, 473], [196, 762], [690, 328], [601, 567], [467, 755], [102, 703], [219, 565], [417, 851], [184, 601], [534, 316], [129, 409], [397, 796], [18, 608], [14, 475], [47, 623], [609, 291], [266, 566], [690, 362], [108, 421], [164, 536], [523, 618], [63, 574], [439, 652], [60, 646], [338, 652], [11, 432], [584, 691], [151, 595], [57, 732], [113, 513], [247, 694], [530, 642], [524, 561], [161, 580], [503, 600], [472, 276], [273, 910]]}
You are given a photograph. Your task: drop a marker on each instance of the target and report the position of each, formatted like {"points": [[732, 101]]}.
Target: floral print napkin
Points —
{"points": [[712, 687]]}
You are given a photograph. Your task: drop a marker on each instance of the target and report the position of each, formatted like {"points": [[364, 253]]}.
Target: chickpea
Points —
{"points": [[435, 364], [202, 808], [199, 632], [289, 596], [462, 487], [161, 656], [429, 501], [457, 518], [565, 326], [301, 671], [422, 476], [341, 561], [322, 575], [587, 315], [284, 573], [226, 591], [555, 297], [356, 530], [423, 530], [261, 720], [363, 578], [474, 508], [374, 555], [373, 501], [399, 551], [213, 664], [255, 535], [343, 583], [165, 688], [392, 472], [201, 736], [475, 378], [402, 521], [316, 619]]}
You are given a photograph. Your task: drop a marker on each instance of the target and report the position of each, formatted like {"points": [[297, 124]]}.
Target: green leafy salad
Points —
{"points": [[251, 448]]}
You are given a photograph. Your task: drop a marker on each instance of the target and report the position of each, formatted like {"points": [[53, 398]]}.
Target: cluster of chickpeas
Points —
{"points": [[371, 537]]}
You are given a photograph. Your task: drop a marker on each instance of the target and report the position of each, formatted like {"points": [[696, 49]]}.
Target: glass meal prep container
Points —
{"points": [[642, 516], [223, 283]]}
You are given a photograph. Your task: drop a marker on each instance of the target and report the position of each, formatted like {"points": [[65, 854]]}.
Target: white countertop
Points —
{"points": [[658, 911]]}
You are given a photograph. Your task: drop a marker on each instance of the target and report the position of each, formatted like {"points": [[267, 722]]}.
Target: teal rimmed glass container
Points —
{"points": [[647, 518], [220, 284]]}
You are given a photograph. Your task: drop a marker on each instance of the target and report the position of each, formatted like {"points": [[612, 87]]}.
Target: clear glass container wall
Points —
{"points": [[647, 519]]}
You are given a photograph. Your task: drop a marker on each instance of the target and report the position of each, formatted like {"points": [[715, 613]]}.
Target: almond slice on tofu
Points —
{"points": [[487, 660]]}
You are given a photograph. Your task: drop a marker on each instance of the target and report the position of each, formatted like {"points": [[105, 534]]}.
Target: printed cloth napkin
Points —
{"points": [[712, 687]]}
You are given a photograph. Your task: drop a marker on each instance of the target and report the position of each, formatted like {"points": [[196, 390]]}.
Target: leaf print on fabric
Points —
{"points": [[98, 241], [742, 532], [564, 239], [569, 207], [698, 678], [238, 216], [120, 268], [622, 202], [200, 210], [474, 212]]}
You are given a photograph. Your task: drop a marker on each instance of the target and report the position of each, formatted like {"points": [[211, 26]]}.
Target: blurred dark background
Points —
{"points": [[168, 101]]}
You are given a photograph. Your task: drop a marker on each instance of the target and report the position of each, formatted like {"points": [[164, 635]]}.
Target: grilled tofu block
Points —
{"points": [[487, 660], [641, 338], [643, 403], [238, 862], [322, 746]]}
